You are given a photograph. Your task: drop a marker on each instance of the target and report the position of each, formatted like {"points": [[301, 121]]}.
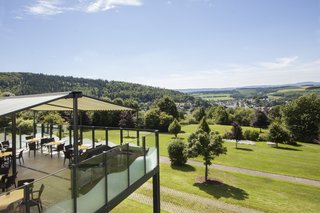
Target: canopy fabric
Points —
{"points": [[55, 102]]}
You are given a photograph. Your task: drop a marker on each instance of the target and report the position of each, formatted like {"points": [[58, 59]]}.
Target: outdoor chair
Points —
{"points": [[36, 198], [28, 138], [4, 171], [68, 154], [5, 144], [32, 146], [20, 156], [67, 147], [43, 142], [59, 148], [10, 181], [3, 181], [22, 182]]}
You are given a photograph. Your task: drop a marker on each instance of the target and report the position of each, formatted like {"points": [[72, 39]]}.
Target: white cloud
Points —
{"points": [[54, 7], [103, 5], [279, 71], [280, 63], [46, 7]]}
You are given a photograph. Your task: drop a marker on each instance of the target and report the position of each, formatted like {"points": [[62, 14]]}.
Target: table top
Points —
{"points": [[5, 154], [14, 196], [33, 140], [84, 147], [54, 143]]}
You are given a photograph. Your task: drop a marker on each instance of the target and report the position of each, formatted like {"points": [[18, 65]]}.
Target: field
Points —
{"points": [[213, 96], [299, 161], [274, 93], [250, 191]]}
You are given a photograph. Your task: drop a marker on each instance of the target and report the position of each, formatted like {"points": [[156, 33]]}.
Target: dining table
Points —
{"points": [[53, 143], [10, 197], [5, 154]]}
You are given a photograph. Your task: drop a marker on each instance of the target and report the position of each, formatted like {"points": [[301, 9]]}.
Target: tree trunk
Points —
{"points": [[176, 135], [236, 144], [206, 174], [260, 130]]}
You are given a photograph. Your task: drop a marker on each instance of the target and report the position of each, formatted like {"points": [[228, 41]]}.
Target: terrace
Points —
{"points": [[107, 164]]}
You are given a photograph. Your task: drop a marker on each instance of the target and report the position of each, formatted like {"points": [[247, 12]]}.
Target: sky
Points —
{"points": [[171, 44]]}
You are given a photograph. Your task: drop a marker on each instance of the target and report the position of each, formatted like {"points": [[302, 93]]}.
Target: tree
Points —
{"points": [[199, 113], [243, 116], [278, 133], [204, 126], [221, 116], [175, 127], [302, 117], [167, 105], [165, 121], [152, 119], [236, 132], [260, 120], [206, 145], [177, 152], [52, 118]]}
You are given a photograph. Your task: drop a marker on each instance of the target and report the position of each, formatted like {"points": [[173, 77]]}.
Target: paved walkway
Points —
{"points": [[251, 172]]}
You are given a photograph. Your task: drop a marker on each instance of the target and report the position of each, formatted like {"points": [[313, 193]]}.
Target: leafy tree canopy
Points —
{"points": [[302, 117]]}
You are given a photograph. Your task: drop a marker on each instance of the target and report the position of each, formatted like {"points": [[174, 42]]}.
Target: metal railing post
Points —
{"points": [[128, 164], [5, 133], [138, 138], [81, 135], [74, 187], [157, 145], [93, 142], [107, 137], [26, 197], [20, 138], [60, 132], [121, 136], [70, 134], [51, 130], [144, 154], [42, 130]]}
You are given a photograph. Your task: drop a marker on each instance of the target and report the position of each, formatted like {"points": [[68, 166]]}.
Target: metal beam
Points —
{"points": [[14, 143]]}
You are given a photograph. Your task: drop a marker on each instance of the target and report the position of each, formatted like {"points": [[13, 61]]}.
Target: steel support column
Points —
{"points": [[14, 143]]}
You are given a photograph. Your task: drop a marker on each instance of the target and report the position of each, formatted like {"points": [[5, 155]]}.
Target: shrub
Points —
{"points": [[251, 135], [175, 127], [227, 135], [26, 126], [263, 137], [278, 133], [177, 152]]}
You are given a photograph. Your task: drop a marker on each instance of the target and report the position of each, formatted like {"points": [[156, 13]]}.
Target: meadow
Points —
{"points": [[261, 193]]}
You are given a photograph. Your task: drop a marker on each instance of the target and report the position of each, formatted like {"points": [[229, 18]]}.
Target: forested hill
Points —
{"points": [[30, 83]]}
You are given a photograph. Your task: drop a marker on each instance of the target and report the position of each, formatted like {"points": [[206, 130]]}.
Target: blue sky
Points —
{"points": [[171, 44]]}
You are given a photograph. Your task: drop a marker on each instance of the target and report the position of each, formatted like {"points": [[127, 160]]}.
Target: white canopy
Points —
{"points": [[55, 102]]}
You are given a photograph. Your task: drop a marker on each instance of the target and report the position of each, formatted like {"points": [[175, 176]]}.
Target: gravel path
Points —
{"points": [[252, 172]]}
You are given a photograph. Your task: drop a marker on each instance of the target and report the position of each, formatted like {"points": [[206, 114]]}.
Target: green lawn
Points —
{"points": [[300, 161], [255, 192], [129, 205]]}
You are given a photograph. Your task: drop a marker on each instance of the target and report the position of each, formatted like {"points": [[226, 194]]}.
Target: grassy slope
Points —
{"points": [[302, 161], [132, 206], [251, 191]]}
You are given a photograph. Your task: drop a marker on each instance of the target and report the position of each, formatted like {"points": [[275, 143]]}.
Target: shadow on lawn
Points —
{"points": [[288, 148], [223, 190], [244, 149], [184, 168]]}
